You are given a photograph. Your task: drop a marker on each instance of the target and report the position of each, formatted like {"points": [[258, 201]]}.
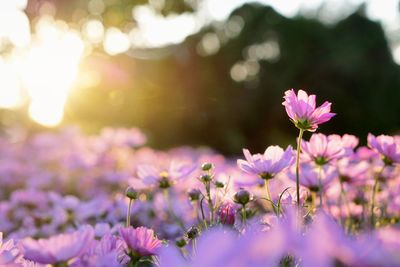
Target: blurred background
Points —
{"points": [[198, 72]]}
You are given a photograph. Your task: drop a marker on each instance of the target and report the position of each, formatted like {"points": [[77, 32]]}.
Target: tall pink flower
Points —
{"points": [[141, 240], [273, 161], [302, 111], [322, 149], [387, 146]]}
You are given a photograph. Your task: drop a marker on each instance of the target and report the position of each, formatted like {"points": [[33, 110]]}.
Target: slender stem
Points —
{"points": [[374, 192], [313, 199], [210, 204], [266, 184], [128, 215], [244, 216], [343, 198], [171, 209], [298, 167], [320, 185]]}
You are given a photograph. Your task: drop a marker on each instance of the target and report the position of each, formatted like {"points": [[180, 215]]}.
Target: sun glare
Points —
{"points": [[45, 69], [50, 70]]}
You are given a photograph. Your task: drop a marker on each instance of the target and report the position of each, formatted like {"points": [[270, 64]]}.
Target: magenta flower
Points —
{"points": [[322, 149], [141, 240], [59, 248], [387, 146], [273, 161], [302, 112], [226, 213]]}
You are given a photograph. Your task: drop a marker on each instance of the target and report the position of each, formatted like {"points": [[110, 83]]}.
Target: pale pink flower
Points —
{"points": [[302, 111], [387, 146], [273, 161], [321, 149]]}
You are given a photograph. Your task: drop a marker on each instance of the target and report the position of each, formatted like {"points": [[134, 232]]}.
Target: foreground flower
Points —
{"points": [[302, 111], [322, 149], [273, 161], [141, 241], [387, 146], [60, 248], [8, 252]]}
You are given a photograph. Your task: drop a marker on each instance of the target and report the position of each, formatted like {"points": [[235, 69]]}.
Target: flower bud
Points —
{"points": [[180, 242], [193, 232], [242, 197], [219, 184], [226, 214], [207, 166], [194, 194], [205, 178], [131, 193]]}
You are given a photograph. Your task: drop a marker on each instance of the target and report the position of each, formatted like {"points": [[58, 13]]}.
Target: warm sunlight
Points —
{"points": [[50, 70]]}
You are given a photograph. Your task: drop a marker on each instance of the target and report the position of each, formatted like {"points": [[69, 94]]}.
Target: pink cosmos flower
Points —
{"points": [[387, 146], [141, 240], [349, 142], [322, 149], [310, 176], [302, 112], [58, 248], [273, 161]]}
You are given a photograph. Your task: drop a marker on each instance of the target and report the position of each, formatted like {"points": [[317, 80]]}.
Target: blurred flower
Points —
{"points": [[58, 248], [273, 161], [226, 213], [310, 174], [141, 240], [302, 112], [387, 146], [322, 149], [8, 251]]}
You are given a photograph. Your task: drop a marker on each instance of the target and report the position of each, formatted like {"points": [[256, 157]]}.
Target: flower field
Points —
{"points": [[70, 199]]}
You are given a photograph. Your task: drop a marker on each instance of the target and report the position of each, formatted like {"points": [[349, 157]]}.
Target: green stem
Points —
{"points": [[171, 209], [210, 204], [298, 167], [320, 185], [128, 215], [266, 184], [313, 199], [244, 216], [374, 192], [346, 203]]}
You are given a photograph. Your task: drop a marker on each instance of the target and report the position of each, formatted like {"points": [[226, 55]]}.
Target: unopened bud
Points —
{"points": [[180, 242], [194, 194], [193, 232], [242, 197], [131, 193], [207, 166], [205, 178]]}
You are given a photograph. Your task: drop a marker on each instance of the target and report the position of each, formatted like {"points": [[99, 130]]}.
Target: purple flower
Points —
{"points": [[387, 146], [322, 149], [59, 248], [273, 161], [302, 112], [141, 240]]}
